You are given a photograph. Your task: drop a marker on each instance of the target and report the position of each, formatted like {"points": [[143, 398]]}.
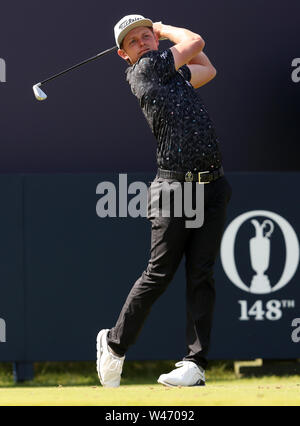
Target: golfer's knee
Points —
{"points": [[159, 278]]}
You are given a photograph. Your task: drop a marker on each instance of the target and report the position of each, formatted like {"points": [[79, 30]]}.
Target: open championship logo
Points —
{"points": [[259, 251]]}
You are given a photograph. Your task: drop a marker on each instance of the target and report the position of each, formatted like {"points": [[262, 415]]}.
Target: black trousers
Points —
{"points": [[170, 241]]}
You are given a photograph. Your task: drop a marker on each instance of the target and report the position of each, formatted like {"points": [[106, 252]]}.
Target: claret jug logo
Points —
{"points": [[2, 71], [266, 249]]}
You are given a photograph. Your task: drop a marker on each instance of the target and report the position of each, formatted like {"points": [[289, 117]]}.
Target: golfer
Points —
{"points": [[164, 83]]}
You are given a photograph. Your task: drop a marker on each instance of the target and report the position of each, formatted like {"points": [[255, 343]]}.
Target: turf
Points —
{"points": [[253, 392], [77, 384]]}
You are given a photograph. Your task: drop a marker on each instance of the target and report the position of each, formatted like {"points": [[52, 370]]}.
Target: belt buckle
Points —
{"points": [[199, 177], [189, 177]]}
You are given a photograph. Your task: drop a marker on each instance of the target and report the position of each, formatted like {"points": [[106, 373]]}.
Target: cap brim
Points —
{"points": [[140, 23]]}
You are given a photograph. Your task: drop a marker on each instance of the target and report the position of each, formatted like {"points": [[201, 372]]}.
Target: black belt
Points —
{"points": [[200, 177]]}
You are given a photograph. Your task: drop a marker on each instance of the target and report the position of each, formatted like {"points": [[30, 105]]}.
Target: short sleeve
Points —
{"points": [[157, 64], [185, 72], [153, 69]]}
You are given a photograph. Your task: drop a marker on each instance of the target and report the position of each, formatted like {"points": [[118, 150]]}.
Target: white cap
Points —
{"points": [[127, 23]]}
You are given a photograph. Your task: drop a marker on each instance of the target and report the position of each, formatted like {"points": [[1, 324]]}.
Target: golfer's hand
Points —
{"points": [[158, 30]]}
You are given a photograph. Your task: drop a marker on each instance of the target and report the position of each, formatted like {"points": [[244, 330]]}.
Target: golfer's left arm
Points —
{"points": [[201, 69]]}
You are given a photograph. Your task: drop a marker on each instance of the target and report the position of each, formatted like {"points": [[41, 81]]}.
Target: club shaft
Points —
{"points": [[79, 65]]}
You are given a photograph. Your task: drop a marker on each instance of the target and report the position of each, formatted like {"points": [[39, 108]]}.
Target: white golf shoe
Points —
{"points": [[188, 374], [109, 366]]}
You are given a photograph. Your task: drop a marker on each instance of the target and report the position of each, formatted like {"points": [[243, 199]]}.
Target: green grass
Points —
{"points": [[77, 384], [84, 373]]}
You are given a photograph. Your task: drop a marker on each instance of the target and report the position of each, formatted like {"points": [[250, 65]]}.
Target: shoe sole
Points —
{"points": [[99, 352], [201, 383]]}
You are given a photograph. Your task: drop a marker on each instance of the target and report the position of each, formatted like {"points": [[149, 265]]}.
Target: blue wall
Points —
{"points": [[65, 273]]}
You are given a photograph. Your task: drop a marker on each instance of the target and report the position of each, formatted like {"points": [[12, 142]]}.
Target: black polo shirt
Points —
{"points": [[185, 134]]}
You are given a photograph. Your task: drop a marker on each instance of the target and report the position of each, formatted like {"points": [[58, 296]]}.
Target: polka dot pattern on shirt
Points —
{"points": [[186, 136]]}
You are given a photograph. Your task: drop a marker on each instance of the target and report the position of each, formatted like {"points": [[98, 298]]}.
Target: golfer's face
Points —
{"points": [[137, 42]]}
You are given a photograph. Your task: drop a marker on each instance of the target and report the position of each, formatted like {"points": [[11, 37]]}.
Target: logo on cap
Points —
{"points": [[128, 22]]}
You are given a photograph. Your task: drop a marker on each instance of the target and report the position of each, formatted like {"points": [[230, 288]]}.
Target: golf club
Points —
{"points": [[38, 92]]}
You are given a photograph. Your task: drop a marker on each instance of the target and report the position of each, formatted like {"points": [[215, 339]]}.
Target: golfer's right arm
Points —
{"points": [[187, 43]]}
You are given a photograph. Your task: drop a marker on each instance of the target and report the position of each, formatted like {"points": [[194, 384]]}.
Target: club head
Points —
{"points": [[38, 93]]}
